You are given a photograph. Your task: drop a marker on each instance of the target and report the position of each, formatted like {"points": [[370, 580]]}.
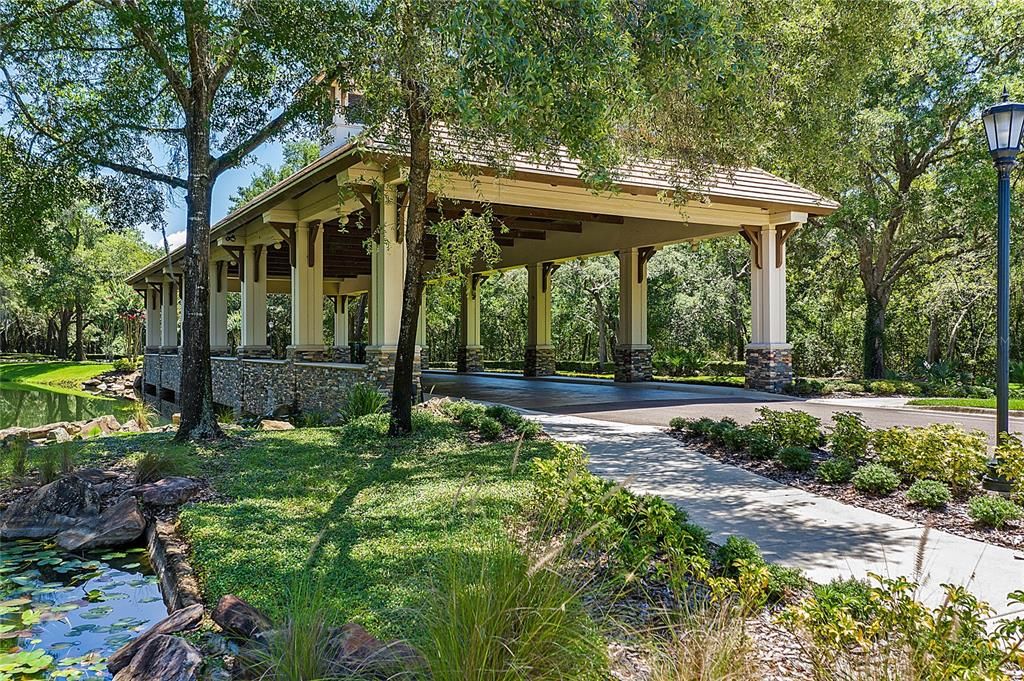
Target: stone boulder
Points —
{"points": [[59, 435], [238, 618], [120, 524], [163, 658], [96, 476], [270, 424], [130, 426], [172, 491], [109, 423], [358, 652], [40, 432], [179, 620], [50, 509]]}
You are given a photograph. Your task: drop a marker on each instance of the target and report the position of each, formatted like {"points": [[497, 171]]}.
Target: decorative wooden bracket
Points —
{"points": [[643, 256], [343, 303], [753, 237], [474, 284], [546, 270], [238, 255], [287, 234], [314, 233], [783, 233]]}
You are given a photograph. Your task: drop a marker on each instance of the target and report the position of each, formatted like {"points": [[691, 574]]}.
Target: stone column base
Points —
{"points": [[168, 349], [769, 367], [424, 358], [633, 363], [539, 360], [470, 360], [255, 351], [306, 353], [220, 351], [341, 353], [380, 369]]}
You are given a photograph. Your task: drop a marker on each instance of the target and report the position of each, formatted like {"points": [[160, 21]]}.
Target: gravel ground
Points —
{"points": [[952, 519]]}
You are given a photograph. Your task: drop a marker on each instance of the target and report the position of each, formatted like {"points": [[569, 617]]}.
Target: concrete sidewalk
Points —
{"points": [[823, 537]]}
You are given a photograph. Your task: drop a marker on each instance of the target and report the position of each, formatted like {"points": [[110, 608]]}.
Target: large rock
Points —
{"points": [[50, 509], [96, 476], [120, 524], [109, 423], [238, 618], [163, 658], [179, 620], [59, 434], [270, 424], [39, 432], [358, 652], [167, 491]]}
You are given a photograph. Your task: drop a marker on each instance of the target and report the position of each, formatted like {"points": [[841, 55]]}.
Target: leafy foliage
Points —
{"points": [[836, 470], [795, 458], [789, 428], [943, 452], [993, 511], [363, 399], [849, 436], [930, 494], [877, 479]]}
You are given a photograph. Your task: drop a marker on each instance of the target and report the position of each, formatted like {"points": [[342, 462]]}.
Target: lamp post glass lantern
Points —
{"points": [[1003, 125]]}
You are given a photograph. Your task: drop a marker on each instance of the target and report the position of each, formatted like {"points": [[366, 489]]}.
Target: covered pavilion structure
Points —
{"points": [[332, 230]]}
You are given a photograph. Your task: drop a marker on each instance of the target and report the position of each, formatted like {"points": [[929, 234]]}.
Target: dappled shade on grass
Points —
{"points": [[374, 516]]}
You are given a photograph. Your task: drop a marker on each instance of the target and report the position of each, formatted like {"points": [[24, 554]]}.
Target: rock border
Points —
{"points": [[168, 554]]}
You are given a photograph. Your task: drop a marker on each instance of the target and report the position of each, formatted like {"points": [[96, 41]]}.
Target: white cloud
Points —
{"points": [[175, 239]]}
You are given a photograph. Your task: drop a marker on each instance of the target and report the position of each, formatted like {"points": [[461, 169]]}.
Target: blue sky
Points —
{"points": [[227, 183]]}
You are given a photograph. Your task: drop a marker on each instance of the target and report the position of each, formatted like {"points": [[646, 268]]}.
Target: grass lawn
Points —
{"points": [[67, 374], [1015, 405], [374, 517]]}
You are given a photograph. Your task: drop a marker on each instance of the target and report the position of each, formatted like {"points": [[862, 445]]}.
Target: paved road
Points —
{"points": [[652, 405]]}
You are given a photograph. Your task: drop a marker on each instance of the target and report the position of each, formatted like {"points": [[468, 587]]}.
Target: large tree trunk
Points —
{"points": [[933, 338], [874, 335], [62, 333], [402, 393], [79, 329], [198, 418]]}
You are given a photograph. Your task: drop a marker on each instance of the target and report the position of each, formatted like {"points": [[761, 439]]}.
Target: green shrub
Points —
{"points": [[784, 582], [836, 471], [734, 550], [493, 617], [679, 423], [506, 416], [795, 458], [851, 596], [807, 386], [489, 428], [726, 368], [528, 429], [126, 364], [760, 445], [720, 431], [312, 418], [993, 511], [943, 452], [852, 387], [48, 465], [1010, 454], [737, 439], [883, 388], [930, 494], [789, 428], [363, 399], [849, 436], [153, 466], [877, 479]]}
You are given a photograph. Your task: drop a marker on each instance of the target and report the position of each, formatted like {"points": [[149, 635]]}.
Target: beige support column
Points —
{"points": [[632, 353], [769, 356], [387, 278], [470, 357], [218, 308], [153, 335], [308, 293], [539, 357], [342, 351], [254, 302], [169, 316]]}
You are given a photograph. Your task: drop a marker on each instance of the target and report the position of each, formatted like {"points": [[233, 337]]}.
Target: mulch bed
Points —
{"points": [[952, 519]]}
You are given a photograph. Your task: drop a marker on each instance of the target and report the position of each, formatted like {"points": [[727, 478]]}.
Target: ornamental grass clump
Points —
{"points": [[930, 494], [363, 399], [876, 479], [299, 647], [989, 510], [496, 616], [711, 644]]}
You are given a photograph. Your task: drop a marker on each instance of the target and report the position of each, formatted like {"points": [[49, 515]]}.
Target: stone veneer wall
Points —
{"points": [[424, 358], [265, 385], [151, 369], [769, 369], [322, 386], [633, 364], [225, 380], [170, 372], [539, 361], [468, 360]]}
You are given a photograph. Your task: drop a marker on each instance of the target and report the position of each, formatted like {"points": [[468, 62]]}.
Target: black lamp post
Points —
{"points": [[1003, 125]]}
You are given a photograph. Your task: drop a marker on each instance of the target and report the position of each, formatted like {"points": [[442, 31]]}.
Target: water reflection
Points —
{"points": [[28, 406]]}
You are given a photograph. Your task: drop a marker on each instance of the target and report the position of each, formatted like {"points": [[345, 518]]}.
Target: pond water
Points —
{"points": [[61, 615], [29, 406]]}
